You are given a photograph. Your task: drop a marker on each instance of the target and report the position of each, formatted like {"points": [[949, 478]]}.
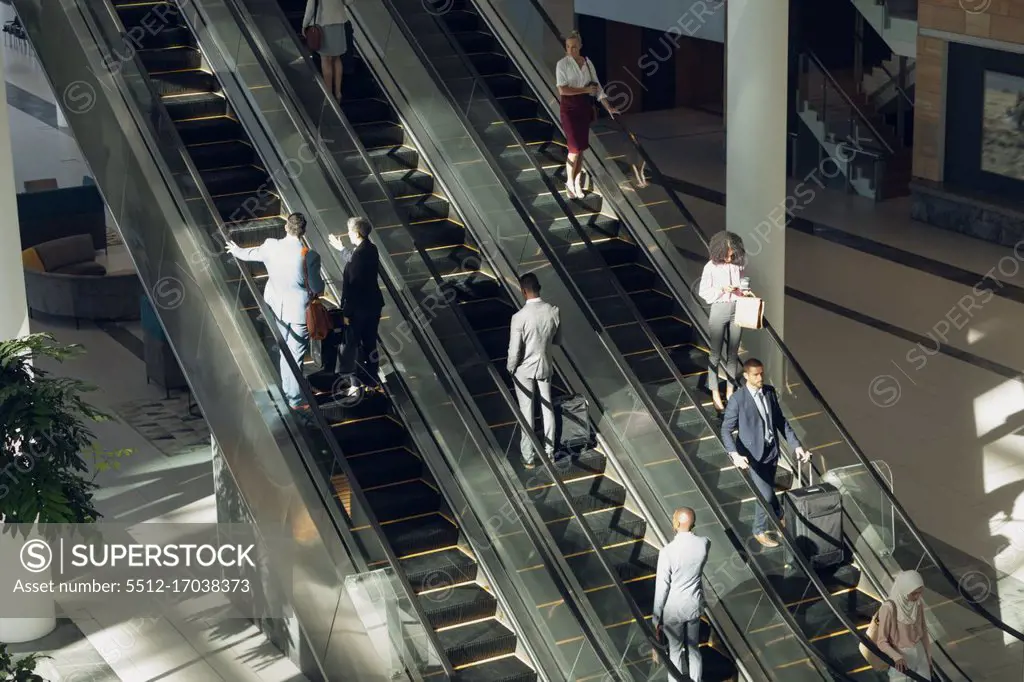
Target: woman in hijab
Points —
{"points": [[902, 633]]}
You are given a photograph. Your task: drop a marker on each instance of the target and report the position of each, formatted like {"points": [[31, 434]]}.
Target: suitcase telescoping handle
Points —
{"points": [[800, 473]]}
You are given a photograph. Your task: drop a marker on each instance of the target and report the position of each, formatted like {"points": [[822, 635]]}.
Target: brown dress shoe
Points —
{"points": [[766, 540]]}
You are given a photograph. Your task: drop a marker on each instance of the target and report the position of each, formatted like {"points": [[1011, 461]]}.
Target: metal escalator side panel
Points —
{"points": [[266, 452]]}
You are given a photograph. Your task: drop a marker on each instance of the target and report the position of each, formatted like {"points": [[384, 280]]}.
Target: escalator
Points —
{"points": [[488, 311], [665, 348], [439, 230], [382, 459]]}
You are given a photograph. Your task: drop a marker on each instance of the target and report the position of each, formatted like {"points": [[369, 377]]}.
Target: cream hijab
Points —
{"points": [[907, 611]]}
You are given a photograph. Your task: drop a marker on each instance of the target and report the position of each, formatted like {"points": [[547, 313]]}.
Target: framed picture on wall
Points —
{"points": [[1002, 130]]}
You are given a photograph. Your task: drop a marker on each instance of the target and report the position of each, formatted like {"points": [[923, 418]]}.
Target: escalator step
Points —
{"points": [[532, 129], [171, 59], [445, 568], [611, 527], [380, 134], [421, 535], [423, 209], [190, 107], [370, 110], [387, 160], [588, 495], [168, 38], [254, 232], [505, 84], [398, 183], [490, 62], [520, 106], [181, 82], [249, 206], [459, 20], [653, 303], [630, 561], [477, 642], [672, 331], [249, 179], [380, 468], [369, 434], [507, 669], [207, 130], [487, 313], [231, 152], [451, 606], [474, 41], [402, 500], [582, 464]]}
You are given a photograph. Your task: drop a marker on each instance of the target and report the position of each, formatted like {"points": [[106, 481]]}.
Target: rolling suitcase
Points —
{"points": [[814, 516], [572, 423]]}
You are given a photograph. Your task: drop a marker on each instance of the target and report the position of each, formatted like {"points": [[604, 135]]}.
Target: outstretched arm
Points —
{"points": [[254, 253]]}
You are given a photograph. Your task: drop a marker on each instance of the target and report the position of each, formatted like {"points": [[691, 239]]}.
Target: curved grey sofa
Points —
{"points": [[62, 278], [84, 297]]}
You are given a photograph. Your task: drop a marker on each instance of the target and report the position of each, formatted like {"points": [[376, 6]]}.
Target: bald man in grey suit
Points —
{"points": [[679, 594], [532, 333]]}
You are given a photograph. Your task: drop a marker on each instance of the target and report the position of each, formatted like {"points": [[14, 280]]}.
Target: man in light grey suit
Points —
{"points": [[535, 328], [679, 594], [293, 275]]}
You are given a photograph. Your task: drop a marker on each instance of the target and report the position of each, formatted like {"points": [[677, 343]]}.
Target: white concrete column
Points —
{"points": [[757, 45], [13, 308]]}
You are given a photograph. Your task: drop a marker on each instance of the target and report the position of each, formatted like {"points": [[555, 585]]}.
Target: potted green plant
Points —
{"points": [[45, 436], [19, 669]]}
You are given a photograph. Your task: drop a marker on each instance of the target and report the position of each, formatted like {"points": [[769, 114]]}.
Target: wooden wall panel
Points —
{"points": [[622, 79], [994, 19], [700, 74], [930, 109]]}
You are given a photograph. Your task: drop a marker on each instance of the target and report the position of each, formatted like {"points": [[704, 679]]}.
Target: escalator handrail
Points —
{"points": [[880, 482], [304, 386], [501, 474], [677, 377]]}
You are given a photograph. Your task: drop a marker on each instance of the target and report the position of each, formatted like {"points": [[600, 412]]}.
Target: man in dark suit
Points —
{"points": [[361, 300], [755, 414]]}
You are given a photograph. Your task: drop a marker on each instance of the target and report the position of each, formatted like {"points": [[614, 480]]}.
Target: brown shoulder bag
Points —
{"points": [[313, 33], [318, 322]]}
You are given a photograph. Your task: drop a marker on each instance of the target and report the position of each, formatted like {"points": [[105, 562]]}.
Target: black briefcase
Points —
{"points": [[814, 516], [572, 423]]}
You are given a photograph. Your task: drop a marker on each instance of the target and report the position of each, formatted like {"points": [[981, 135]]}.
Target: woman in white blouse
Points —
{"points": [[721, 284], [331, 16], [577, 84]]}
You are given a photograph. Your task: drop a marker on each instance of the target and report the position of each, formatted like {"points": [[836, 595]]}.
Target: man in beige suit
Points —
{"points": [[535, 328]]}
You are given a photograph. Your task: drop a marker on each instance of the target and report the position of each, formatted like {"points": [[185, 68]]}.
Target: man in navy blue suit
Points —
{"points": [[755, 414]]}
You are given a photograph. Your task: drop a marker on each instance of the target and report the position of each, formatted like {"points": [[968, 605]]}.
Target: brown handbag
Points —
{"points": [[318, 322], [313, 33]]}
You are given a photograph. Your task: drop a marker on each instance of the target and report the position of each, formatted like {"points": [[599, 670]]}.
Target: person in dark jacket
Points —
{"points": [[361, 300], [756, 417]]}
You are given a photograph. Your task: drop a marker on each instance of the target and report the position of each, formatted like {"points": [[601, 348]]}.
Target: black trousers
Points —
{"points": [[762, 475], [361, 346]]}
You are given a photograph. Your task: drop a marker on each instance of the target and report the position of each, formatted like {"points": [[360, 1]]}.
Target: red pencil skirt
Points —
{"points": [[577, 113]]}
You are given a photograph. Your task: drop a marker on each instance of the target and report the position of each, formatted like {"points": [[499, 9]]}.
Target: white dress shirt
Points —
{"points": [[330, 12], [761, 401], [716, 276], [569, 74]]}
